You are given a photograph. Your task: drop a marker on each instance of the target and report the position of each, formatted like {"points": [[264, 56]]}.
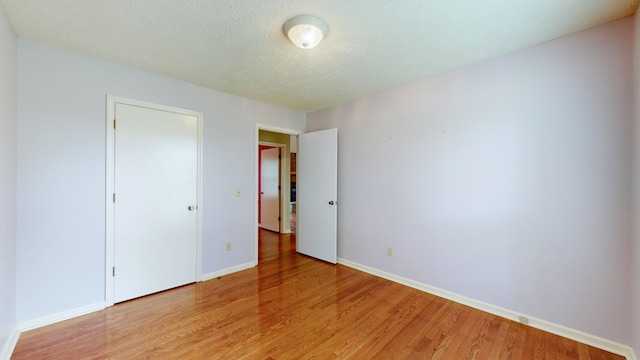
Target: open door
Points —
{"points": [[270, 189], [317, 195]]}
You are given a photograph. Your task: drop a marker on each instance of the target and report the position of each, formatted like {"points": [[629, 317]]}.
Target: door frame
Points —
{"points": [[112, 100], [283, 185], [284, 174]]}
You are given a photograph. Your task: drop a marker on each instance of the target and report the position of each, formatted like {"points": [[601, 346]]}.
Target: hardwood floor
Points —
{"points": [[295, 307]]}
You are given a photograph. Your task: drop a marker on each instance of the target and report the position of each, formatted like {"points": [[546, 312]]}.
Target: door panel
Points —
{"points": [[317, 195], [269, 188], [156, 171]]}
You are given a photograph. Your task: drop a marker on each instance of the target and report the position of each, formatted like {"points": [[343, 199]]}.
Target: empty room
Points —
{"points": [[465, 183]]}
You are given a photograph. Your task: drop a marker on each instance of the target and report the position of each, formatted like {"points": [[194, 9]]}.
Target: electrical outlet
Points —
{"points": [[523, 320], [238, 192], [390, 251], [228, 246]]}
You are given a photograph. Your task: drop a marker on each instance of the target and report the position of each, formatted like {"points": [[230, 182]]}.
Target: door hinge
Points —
{"points": [[114, 197], [279, 157], [279, 187], [114, 123], [278, 218], [113, 271]]}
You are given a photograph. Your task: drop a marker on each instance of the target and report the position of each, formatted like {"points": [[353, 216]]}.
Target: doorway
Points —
{"points": [[269, 136], [316, 172]]}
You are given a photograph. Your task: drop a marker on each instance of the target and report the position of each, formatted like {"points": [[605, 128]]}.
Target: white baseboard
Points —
{"points": [[87, 309], [579, 336], [227, 271], [61, 316], [10, 344]]}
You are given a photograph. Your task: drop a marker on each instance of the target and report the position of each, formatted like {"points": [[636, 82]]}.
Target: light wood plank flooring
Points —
{"points": [[295, 307]]}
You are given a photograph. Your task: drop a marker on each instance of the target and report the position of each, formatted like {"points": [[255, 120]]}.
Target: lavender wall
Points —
{"points": [[636, 249], [507, 181], [61, 172], [8, 118]]}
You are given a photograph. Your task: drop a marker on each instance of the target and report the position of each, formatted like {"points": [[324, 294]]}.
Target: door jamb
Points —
{"points": [[110, 188], [255, 152]]}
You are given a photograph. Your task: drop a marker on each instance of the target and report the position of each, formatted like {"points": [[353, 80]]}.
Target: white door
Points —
{"points": [[269, 189], [155, 182], [317, 195]]}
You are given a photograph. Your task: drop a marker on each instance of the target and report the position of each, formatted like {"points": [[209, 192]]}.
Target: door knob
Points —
{"points": [[191, 208]]}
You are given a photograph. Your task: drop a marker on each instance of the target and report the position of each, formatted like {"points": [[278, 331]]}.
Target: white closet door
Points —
{"points": [[155, 179]]}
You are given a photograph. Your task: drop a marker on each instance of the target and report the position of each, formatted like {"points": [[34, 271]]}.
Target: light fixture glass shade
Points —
{"points": [[305, 31]]}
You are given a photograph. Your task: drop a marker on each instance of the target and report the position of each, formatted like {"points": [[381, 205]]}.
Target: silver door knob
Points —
{"points": [[191, 208], [331, 202]]}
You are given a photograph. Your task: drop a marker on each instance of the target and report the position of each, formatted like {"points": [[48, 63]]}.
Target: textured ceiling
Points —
{"points": [[237, 46]]}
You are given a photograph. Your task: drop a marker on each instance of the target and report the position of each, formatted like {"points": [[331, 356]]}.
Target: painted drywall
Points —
{"points": [[61, 172], [636, 220], [273, 137], [507, 181], [8, 176]]}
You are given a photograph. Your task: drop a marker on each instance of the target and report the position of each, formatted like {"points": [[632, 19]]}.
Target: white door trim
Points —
{"points": [[284, 174], [109, 188]]}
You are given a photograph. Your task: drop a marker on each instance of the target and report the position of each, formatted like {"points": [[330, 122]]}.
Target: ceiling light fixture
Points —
{"points": [[305, 31]]}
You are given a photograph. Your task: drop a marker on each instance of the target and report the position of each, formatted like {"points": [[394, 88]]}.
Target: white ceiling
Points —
{"points": [[237, 46]]}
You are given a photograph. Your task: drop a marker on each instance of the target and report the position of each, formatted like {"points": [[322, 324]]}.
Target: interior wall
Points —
{"points": [[507, 181], [273, 137], [636, 220], [8, 176], [293, 143], [61, 172]]}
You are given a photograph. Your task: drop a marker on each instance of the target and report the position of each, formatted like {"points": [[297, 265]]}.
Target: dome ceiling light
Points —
{"points": [[305, 31]]}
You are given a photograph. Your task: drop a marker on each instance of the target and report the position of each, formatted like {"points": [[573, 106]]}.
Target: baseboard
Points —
{"points": [[69, 314], [61, 316], [227, 271], [10, 344], [579, 336]]}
